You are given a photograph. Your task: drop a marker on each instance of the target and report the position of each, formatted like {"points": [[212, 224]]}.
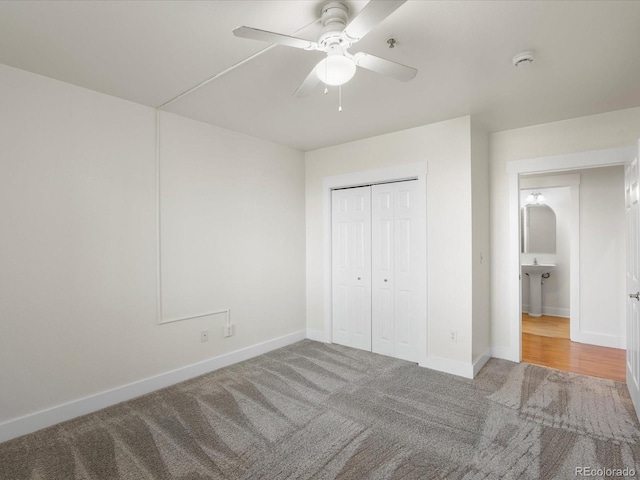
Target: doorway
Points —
{"points": [[583, 212], [554, 165]]}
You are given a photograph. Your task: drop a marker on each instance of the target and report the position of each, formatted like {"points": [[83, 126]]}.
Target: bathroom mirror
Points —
{"points": [[538, 229]]}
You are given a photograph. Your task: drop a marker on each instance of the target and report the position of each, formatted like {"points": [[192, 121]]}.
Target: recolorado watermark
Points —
{"points": [[605, 472]]}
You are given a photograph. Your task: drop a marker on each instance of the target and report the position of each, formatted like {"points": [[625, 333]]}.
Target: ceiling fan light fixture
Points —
{"points": [[535, 198], [335, 70]]}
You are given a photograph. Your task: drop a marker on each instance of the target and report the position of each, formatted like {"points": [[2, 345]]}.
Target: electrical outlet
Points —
{"points": [[204, 336], [453, 336], [228, 330]]}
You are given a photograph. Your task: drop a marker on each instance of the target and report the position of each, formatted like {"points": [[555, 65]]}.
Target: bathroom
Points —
{"points": [[573, 233]]}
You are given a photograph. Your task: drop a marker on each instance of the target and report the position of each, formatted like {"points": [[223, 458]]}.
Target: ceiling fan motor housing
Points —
{"points": [[334, 20]]}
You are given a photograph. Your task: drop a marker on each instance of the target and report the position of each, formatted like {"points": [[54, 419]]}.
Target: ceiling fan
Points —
{"points": [[335, 39]]}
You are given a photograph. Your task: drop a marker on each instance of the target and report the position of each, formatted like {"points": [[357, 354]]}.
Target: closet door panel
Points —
{"points": [[383, 331], [351, 267], [408, 213]]}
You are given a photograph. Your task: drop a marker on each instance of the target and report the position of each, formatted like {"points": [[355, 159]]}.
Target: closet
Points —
{"points": [[378, 253]]}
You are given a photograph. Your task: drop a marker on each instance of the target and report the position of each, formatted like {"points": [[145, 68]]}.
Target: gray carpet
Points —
{"points": [[320, 411]]}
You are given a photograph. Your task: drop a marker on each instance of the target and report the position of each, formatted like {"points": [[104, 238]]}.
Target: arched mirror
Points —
{"points": [[538, 229]]}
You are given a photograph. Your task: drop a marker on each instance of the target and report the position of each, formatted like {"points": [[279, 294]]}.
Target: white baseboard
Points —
{"points": [[445, 365], [600, 339], [556, 312], [60, 413], [317, 335], [505, 353], [480, 361], [553, 311]]}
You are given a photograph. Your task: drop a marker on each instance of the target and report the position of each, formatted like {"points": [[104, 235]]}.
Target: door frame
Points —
{"points": [[631, 324], [557, 163], [413, 171]]}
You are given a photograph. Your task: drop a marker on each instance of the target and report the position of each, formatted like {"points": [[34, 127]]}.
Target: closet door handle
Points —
{"points": [[635, 295]]}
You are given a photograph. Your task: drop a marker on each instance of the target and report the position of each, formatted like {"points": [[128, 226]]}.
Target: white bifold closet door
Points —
{"points": [[351, 264], [376, 260], [396, 261]]}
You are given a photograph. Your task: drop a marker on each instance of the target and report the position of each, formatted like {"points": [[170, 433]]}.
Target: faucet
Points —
{"points": [[535, 261]]}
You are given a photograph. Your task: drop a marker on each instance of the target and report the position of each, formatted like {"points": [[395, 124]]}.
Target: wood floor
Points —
{"points": [[545, 341]]}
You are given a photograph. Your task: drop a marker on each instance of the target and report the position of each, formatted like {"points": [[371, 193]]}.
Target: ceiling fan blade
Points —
{"points": [[308, 85], [385, 67], [272, 37], [371, 15]]}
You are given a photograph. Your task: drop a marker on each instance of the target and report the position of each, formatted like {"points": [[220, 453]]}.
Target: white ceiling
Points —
{"points": [[587, 62]]}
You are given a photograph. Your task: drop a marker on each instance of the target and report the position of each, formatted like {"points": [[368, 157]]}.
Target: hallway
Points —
{"points": [[545, 342]]}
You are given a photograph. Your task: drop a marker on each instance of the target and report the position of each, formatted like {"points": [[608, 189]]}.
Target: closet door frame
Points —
{"points": [[414, 171]]}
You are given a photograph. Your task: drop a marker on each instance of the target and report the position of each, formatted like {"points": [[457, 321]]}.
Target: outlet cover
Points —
{"points": [[453, 336], [228, 330]]}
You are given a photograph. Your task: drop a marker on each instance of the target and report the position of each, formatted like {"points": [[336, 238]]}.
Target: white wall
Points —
{"points": [[232, 228], [555, 289], [481, 247], [446, 148], [602, 257], [594, 132], [78, 243]]}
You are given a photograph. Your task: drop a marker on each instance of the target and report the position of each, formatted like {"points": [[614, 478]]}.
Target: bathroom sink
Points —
{"points": [[535, 272], [540, 268]]}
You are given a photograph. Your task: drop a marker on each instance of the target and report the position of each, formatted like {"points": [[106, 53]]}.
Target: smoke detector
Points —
{"points": [[523, 58]]}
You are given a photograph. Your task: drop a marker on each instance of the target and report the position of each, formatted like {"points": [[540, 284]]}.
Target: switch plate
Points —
{"points": [[204, 336]]}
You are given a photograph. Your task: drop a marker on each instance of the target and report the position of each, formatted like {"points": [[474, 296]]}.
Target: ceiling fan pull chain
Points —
{"points": [[339, 98]]}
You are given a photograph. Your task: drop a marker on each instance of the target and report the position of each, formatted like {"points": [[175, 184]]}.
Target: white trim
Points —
{"points": [[505, 353], [317, 335], [480, 362], [227, 320], [82, 406], [601, 339], [445, 365], [514, 270], [571, 161], [574, 261], [397, 173]]}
